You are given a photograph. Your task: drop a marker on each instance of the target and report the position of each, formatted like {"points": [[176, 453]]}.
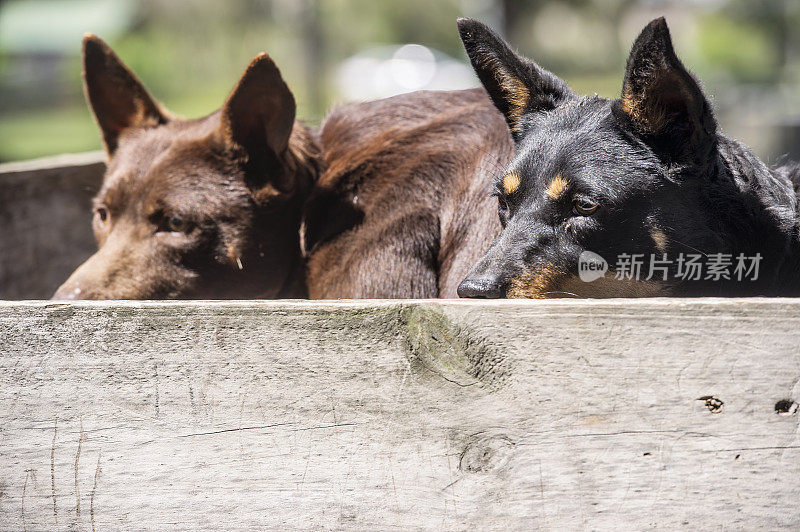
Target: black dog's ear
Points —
{"points": [[116, 96], [660, 96], [515, 84], [260, 111]]}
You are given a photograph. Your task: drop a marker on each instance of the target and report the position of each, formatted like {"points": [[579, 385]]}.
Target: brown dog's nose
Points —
{"points": [[67, 291], [479, 286]]}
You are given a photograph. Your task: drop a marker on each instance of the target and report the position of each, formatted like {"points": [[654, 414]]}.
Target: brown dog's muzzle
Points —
{"points": [[125, 267], [87, 282]]}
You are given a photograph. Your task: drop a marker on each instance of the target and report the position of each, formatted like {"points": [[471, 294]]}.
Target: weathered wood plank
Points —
{"points": [[375, 415], [45, 215]]}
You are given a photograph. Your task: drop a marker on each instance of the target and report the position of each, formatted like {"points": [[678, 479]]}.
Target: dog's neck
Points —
{"points": [[770, 202], [295, 286], [304, 159]]}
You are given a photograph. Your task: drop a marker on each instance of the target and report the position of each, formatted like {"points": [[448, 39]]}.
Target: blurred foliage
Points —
{"points": [[191, 53], [751, 59], [350, 25]]}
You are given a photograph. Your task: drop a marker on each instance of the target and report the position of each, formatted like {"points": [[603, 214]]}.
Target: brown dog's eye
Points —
{"points": [[175, 224], [584, 207], [102, 215]]}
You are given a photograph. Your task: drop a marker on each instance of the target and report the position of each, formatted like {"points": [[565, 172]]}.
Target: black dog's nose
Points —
{"points": [[485, 287]]}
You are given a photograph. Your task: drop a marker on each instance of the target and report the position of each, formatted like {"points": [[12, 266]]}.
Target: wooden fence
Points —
{"points": [[45, 216], [408, 414]]}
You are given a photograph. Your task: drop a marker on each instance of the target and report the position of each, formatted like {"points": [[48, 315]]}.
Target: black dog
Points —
{"points": [[643, 186]]}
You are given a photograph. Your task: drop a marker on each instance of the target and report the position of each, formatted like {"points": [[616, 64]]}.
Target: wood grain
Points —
{"points": [[384, 415]]}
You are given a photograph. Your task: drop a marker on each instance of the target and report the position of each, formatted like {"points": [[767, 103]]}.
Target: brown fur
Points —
{"points": [[403, 208], [236, 180]]}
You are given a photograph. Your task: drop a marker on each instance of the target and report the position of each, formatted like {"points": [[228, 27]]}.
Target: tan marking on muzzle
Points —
{"points": [[552, 282], [536, 284]]}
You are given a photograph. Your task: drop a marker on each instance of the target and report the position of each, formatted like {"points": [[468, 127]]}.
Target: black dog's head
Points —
{"points": [[627, 179]]}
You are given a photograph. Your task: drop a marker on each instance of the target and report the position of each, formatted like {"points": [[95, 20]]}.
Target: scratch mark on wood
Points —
{"points": [[328, 426], [77, 459], [624, 432], [766, 448], [24, 490], [541, 490], [450, 471], [113, 427], [191, 399], [257, 427], [94, 489], [394, 486], [448, 486], [303, 480], [53, 470], [155, 379]]}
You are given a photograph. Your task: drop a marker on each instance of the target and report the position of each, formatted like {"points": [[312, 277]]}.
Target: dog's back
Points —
{"points": [[402, 210], [791, 171]]}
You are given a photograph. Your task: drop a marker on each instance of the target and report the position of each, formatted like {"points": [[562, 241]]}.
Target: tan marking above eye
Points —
{"points": [[511, 182], [558, 185]]}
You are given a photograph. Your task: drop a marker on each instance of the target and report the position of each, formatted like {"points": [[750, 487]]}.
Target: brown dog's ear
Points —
{"points": [[660, 96], [516, 85], [259, 113], [117, 98]]}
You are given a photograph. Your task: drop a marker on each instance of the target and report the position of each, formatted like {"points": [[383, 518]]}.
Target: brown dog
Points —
{"points": [[206, 208], [403, 209]]}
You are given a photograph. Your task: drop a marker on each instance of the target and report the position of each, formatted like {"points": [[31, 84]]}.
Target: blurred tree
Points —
{"points": [[772, 17]]}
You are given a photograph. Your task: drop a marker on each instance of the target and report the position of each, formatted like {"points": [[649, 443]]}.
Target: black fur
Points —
{"points": [[494, 61], [661, 176]]}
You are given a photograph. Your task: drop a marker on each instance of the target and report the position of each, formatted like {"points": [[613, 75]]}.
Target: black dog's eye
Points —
{"points": [[174, 224], [502, 208], [502, 205], [584, 207]]}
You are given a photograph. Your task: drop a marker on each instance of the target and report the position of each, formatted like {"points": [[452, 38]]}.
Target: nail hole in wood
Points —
{"points": [[713, 404], [785, 407]]}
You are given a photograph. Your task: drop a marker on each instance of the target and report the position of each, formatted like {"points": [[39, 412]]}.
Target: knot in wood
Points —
{"points": [[486, 453]]}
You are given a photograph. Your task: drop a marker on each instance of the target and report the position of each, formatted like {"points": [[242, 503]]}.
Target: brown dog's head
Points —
{"points": [[206, 208]]}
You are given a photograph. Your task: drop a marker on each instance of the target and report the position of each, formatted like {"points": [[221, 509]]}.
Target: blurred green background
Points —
{"points": [[190, 53]]}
